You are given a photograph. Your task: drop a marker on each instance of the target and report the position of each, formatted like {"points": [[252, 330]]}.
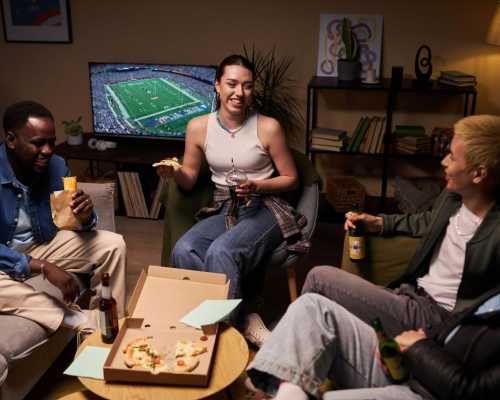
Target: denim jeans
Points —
{"points": [[317, 338], [399, 310], [236, 252]]}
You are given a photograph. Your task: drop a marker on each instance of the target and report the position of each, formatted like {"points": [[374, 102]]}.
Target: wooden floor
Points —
{"points": [[144, 241]]}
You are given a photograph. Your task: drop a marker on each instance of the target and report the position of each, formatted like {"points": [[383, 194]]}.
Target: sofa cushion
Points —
{"points": [[386, 259], [4, 369], [20, 336]]}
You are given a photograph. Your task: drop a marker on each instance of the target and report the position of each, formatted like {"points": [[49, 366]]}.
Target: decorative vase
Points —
{"points": [[349, 70], [74, 140]]}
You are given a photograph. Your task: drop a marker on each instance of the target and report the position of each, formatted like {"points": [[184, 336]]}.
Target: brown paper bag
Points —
{"points": [[62, 214]]}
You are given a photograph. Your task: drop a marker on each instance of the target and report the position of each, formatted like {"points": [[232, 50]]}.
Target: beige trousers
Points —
{"points": [[96, 251]]}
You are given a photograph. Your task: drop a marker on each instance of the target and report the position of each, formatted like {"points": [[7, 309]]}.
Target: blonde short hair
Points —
{"points": [[481, 137]]}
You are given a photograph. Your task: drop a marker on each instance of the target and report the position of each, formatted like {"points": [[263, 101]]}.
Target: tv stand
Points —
{"points": [[134, 151]]}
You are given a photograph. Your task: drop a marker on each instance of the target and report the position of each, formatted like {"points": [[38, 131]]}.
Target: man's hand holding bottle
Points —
{"points": [[372, 223]]}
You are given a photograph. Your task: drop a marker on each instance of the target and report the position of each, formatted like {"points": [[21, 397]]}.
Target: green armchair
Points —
{"points": [[387, 258], [181, 206]]}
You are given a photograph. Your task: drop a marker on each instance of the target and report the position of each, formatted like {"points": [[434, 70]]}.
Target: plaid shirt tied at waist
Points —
{"points": [[291, 223]]}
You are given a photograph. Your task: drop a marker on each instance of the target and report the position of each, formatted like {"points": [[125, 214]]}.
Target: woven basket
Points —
{"points": [[344, 191]]}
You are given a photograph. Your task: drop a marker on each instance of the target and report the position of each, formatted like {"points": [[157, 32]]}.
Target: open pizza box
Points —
{"points": [[162, 296]]}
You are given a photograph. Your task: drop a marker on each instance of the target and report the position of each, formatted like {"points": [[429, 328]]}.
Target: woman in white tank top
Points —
{"points": [[238, 235]]}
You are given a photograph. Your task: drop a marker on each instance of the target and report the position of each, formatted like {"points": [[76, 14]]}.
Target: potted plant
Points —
{"points": [[74, 131], [273, 87], [349, 67]]}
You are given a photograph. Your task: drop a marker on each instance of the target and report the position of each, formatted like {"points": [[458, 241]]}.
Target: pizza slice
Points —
{"points": [[186, 364], [139, 352], [189, 348], [169, 162]]}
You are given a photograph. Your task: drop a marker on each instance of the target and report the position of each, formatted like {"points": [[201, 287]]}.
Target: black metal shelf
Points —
{"points": [[391, 91]]}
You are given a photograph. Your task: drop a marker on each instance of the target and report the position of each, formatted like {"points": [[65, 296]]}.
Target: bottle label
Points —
{"points": [[357, 247], [105, 323]]}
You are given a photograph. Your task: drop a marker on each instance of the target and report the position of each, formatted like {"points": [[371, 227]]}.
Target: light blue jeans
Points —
{"points": [[317, 338], [237, 252]]}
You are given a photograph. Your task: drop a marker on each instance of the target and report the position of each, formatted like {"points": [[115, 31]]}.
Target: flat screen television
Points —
{"points": [[149, 100]]}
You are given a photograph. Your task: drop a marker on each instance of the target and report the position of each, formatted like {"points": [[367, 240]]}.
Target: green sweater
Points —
{"points": [[482, 255]]}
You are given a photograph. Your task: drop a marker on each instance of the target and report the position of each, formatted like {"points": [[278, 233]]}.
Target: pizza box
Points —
{"points": [[162, 296]]}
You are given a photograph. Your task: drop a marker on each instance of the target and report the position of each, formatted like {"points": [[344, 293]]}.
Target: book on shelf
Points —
{"points": [[457, 76], [327, 142], [378, 145], [328, 133], [409, 130], [449, 82], [358, 134], [370, 134], [326, 147]]}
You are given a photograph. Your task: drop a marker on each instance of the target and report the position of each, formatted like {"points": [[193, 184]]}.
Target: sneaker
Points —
{"points": [[254, 393], [255, 330]]}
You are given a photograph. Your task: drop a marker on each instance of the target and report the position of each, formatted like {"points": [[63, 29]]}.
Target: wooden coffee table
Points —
{"points": [[231, 358]]}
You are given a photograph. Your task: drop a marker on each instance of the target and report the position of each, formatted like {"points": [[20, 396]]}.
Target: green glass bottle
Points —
{"points": [[357, 242], [390, 353]]}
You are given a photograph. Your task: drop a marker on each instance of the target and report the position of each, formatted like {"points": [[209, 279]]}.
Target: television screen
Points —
{"points": [[146, 100]]}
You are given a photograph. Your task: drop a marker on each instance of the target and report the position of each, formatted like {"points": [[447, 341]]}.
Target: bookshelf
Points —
{"points": [[131, 159], [318, 84]]}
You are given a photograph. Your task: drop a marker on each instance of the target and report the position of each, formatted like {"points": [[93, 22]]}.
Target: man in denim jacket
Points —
{"points": [[30, 243]]}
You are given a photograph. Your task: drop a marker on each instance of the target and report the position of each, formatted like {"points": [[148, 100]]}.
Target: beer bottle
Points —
{"points": [[108, 315], [390, 353], [357, 243]]}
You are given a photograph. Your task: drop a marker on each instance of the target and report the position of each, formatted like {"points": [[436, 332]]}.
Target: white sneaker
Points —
{"points": [[252, 392], [255, 330]]}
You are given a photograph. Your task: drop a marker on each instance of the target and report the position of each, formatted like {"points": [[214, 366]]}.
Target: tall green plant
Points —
{"points": [[273, 89], [350, 41]]}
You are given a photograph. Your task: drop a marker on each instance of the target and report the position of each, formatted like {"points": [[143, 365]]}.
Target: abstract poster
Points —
{"points": [[368, 31]]}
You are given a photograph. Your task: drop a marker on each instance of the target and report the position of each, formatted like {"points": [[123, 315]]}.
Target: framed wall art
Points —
{"points": [[39, 21], [368, 30]]}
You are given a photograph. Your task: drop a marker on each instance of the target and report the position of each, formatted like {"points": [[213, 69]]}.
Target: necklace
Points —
{"points": [[232, 132]]}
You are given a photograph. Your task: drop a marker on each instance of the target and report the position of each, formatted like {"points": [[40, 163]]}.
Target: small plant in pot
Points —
{"points": [[74, 131], [349, 67]]}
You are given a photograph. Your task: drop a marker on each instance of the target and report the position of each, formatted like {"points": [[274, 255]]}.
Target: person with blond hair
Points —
{"points": [[455, 264]]}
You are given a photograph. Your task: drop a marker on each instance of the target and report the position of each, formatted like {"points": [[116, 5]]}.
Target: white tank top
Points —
{"points": [[244, 147]]}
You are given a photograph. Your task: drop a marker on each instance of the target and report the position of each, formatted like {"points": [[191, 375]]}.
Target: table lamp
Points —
{"points": [[493, 36]]}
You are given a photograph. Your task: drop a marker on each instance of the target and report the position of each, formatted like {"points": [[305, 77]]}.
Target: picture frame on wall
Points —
{"points": [[368, 31], [36, 21]]}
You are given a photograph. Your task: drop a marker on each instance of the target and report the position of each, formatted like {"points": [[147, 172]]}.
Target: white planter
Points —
{"points": [[74, 140]]}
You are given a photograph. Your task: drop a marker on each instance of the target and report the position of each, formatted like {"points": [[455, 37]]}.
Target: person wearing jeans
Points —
{"points": [[318, 338]]}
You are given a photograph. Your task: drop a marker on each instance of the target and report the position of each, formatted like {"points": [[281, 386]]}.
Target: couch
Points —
{"points": [[387, 258], [26, 351]]}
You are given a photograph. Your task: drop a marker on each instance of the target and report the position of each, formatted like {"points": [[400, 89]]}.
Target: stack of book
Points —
{"points": [[411, 139], [368, 136], [328, 139], [457, 78]]}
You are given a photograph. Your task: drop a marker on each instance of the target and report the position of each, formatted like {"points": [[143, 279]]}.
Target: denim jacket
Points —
{"points": [[13, 262]]}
